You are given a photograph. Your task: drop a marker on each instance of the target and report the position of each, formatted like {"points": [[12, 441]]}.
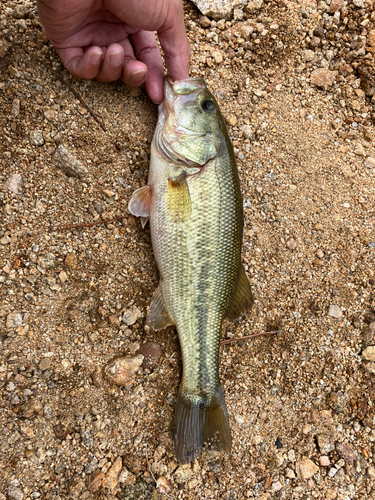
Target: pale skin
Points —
{"points": [[114, 39]]}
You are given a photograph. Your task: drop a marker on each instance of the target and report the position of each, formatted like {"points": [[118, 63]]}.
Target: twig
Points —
{"points": [[90, 224], [238, 339], [75, 93]]}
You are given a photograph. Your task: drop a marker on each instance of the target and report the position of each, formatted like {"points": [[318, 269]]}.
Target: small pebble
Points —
{"points": [[369, 353], [335, 311], [130, 316], [45, 364], [306, 468]]}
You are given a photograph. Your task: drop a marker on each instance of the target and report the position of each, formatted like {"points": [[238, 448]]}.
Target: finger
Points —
{"points": [[175, 44], [134, 72], [112, 65], [81, 64], [147, 51]]}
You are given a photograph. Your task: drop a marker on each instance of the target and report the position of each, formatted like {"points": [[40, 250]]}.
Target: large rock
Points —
{"points": [[122, 371], [220, 9], [68, 163], [323, 78]]}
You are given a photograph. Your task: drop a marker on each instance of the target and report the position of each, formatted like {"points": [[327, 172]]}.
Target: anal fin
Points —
{"points": [[242, 299], [158, 317], [178, 203]]}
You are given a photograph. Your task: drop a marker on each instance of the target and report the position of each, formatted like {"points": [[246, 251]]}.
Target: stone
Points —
{"points": [[247, 131], [126, 477], [232, 120], [15, 493], [111, 478], [163, 485], [361, 4], [306, 468], [326, 443], [219, 9], [254, 6], [359, 150], [64, 160], [323, 78], [32, 408], [71, 260], [370, 162], [318, 31], [131, 315], [63, 276], [121, 371], [14, 184], [217, 56], [76, 488], [13, 320], [204, 22], [335, 311], [335, 6], [325, 461], [45, 364], [46, 261], [338, 401], [371, 473], [151, 352], [331, 494], [367, 77], [369, 353], [95, 480], [15, 107], [308, 55], [371, 38], [4, 47], [346, 451], [97, 377], [183, 473]]}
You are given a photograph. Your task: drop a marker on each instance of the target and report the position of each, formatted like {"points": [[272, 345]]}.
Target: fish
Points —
{"points": [[194, 205]]}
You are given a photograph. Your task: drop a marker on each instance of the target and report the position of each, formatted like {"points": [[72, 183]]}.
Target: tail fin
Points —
{"points": [[201, 423]]}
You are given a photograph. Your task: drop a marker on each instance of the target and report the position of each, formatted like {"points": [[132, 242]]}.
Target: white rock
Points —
{"points": [[335, 311]]}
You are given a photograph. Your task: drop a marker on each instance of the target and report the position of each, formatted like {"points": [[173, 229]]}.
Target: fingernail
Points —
{"points": [[116, 58], [138, 75], [96, 57]]}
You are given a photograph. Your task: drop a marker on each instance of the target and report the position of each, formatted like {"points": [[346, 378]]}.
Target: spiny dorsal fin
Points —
{"points": [[178, 199], [242, 299], [140, 203], [158, 317]]}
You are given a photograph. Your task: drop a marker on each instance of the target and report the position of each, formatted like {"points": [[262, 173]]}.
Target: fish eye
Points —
{"points": [[208, 106]]}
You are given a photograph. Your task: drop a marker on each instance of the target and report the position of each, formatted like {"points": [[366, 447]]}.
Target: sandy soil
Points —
{"points": [[301, 402]]}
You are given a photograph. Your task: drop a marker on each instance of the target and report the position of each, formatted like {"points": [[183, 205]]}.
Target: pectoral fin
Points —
{"points": [[242, 299], [158, 317], [140, 203], [178, 199]]}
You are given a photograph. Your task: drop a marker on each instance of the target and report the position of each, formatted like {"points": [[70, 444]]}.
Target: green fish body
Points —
{"points": [[194, 205]]}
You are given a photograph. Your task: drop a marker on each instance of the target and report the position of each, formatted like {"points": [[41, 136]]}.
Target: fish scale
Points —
{"points": [[196, 219]]}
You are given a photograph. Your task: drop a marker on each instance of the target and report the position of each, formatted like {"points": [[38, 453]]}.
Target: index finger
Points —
{"points": [[174, 42]]}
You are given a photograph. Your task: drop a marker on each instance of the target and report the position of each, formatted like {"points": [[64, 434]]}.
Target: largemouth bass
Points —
{"points": [[194, 205]]}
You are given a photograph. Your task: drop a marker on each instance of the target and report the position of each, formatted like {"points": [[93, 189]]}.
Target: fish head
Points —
{"points": [[191, 128]]}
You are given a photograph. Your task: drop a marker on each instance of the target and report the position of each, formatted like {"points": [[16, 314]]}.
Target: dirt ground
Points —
{"points": [[296, 83]]}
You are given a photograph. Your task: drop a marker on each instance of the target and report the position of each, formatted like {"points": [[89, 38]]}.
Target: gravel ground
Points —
{"points": [[296, 83]]}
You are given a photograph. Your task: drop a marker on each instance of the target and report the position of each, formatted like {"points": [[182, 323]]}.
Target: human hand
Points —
{"points": [[113, 39]]}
